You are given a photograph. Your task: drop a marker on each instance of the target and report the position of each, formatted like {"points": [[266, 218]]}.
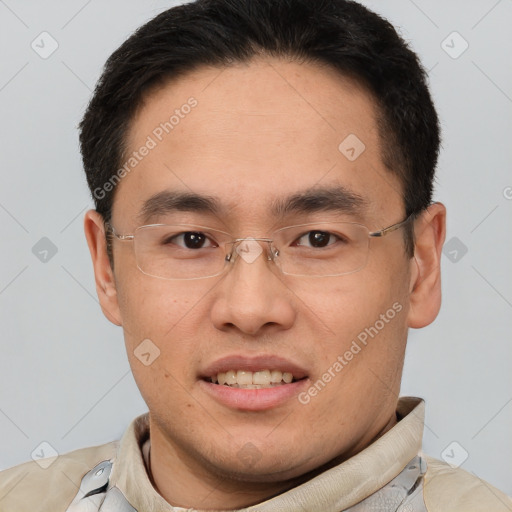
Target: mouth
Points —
{"points": [[256, 383], [260, 379]]}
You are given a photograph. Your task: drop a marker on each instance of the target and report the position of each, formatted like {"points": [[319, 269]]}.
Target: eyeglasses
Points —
{"points": [[187, 251]]}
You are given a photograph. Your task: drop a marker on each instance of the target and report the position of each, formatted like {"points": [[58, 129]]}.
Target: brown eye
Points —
{"points": [[191, 240], [194, 240], [317, 239]]}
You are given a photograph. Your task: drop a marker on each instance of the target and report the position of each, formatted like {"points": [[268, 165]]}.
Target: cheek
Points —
{"points": [[160, 320], [151, 307], [344, 306], [146, 309], [161, 314], [362, 319]]}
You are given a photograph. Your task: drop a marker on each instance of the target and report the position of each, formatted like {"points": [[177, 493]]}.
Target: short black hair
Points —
{"points": [[342, 34]]}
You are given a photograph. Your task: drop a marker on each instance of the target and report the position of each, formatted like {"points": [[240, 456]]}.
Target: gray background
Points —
{"points": [[64, 376]]}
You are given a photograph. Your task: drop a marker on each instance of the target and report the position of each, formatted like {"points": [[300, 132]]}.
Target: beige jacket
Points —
{"points": [[389, 475]]}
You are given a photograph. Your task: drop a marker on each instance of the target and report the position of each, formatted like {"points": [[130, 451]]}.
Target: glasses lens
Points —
{"points": [[191, 252], [180, 251], [322, 249]]}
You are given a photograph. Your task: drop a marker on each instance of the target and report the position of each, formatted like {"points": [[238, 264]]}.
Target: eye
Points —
{"points": [[317, 239], [191, 240]]}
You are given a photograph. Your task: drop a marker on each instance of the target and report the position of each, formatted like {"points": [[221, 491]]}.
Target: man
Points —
{"points": [[265, 235]]}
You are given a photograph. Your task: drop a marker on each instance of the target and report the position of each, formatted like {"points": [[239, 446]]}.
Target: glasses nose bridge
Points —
{"points": [[250, 248]]}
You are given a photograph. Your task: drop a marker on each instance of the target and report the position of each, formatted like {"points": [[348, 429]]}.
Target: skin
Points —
{"points": [[261, 131]]}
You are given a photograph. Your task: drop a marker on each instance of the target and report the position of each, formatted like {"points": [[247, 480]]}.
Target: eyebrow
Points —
{"points": [[167, 201], [326, 199], [334, 199]]}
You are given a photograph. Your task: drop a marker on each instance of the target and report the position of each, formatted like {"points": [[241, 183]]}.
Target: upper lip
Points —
{"points": [[253, 364]]}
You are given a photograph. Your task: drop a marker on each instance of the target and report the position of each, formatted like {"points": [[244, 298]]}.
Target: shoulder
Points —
{"points": [[50, 485], [454, 489]]}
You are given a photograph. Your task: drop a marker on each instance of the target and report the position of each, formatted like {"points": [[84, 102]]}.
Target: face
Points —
{"points": [[257, 134]]}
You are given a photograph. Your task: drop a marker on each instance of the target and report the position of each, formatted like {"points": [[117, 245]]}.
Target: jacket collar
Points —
{"points": [[335, 489]]}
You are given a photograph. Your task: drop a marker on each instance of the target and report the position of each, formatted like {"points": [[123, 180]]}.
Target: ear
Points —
{"points": [[425, 285], [103, 273]]}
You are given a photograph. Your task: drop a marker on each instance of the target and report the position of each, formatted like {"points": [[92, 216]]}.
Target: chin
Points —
{"points": [[263, 469]]}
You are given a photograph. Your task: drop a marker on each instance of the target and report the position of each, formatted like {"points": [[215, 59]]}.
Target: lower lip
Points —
{"points": [[253, 399]]}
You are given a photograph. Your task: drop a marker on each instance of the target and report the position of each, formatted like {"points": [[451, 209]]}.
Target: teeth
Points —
{"points": [[243, 378], [262, 377], [231, 377], [287, 377], [252, 380], [276, 376]]}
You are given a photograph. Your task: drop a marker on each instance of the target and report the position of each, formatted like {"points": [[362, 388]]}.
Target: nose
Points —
{"points": [[252, 297]]}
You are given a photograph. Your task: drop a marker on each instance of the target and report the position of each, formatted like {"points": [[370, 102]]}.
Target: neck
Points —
{"points": [[185, 482]]}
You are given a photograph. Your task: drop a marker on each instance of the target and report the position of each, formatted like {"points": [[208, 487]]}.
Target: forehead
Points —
{"points": [[252, 134]]}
